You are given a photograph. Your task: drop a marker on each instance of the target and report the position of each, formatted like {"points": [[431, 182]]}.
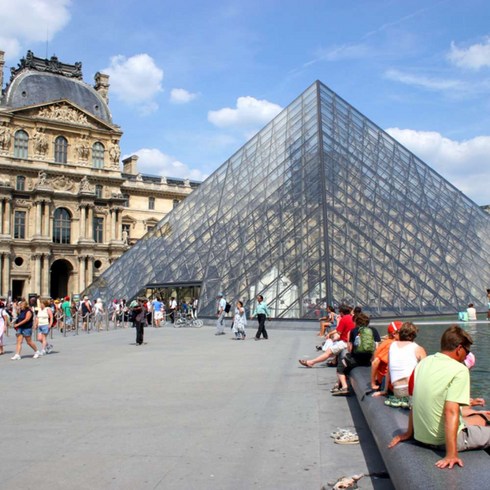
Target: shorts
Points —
{"points": [[338, 346], [158, 315], [473, 437], [44, 329], [69, 321], [24, 331], [401, 391]]}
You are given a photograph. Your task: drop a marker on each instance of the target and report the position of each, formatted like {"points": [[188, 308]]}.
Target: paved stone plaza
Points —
{"points": [[187, 410]]}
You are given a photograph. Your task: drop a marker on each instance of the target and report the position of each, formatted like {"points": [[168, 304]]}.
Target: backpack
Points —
{"points": [[364, 342], [227, 308]]}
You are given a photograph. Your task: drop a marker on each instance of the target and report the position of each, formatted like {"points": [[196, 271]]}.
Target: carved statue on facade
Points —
{"points": [[42, 179], [5, 137], [40, 142], [85, 185], [115, 152], [63, 112], [82, 148], [125, 237]]}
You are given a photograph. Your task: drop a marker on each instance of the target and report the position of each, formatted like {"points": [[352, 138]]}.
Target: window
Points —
{"points": [[62, 226], [60, 149], [21, 144], [20, 183], [150, 228], [126, 200], [98, 230], [98, 191], [175, 203], [98, 155], [19, 224], [126, 229], [151, 203]]}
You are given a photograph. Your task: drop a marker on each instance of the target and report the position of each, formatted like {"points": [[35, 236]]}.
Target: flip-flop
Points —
{"points": [[341, 432], [304, 363]]}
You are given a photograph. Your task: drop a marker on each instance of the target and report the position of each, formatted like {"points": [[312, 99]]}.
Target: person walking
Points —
{"points": [[23, 327], [4, 319], [262, 313], [221, 313], [240, 322], [43, 323], [172, 306], [99, 314], [139, 315]]}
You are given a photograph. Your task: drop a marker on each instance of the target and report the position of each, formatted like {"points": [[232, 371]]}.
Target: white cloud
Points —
{"points": [[463, 163], [343, 52], [153, 161], [181, 96], [248, 112], [473, 57], [136, 80], [25, 22], [425, 82]]}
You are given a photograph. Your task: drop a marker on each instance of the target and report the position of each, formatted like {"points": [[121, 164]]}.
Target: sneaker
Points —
{"points": [[36, 355], [43, 352], [16, 358], [49, 349]]}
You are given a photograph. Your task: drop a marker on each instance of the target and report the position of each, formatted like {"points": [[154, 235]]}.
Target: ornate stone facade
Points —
{"points": [[68, 207]]}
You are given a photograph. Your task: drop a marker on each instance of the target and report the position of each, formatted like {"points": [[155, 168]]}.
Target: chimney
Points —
{"points": [[129, 165], [2, 64], [102, 85]]}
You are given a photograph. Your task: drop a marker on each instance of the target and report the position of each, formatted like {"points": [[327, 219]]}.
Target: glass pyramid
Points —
{"points": [[320, 207]]}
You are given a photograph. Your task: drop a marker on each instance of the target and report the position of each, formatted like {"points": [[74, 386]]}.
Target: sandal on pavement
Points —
{"points": [[341, 392], [347, 439], [341, 432], [304, 363]]}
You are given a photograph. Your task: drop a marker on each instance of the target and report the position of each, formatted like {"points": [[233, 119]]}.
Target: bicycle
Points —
{"points": [[183, 321]]}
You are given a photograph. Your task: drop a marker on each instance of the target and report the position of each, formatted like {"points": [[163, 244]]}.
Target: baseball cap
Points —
{"points": [[394, 327]]}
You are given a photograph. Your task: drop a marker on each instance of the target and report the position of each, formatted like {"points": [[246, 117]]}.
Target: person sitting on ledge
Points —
{"points": [[363, 340], [328, 321], [441, 388], [346, 324], [379, 364]]}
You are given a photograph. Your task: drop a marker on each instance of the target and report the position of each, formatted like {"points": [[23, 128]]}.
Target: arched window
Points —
{"points": [[21, 144], [62, 226], [98, 155], [60, 149]]}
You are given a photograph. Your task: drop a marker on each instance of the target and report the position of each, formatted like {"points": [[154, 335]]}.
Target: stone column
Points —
{"points": [[109, 226], [45, 276], [81, 274], [6, 227], [118, 224], [36, 283], [90, 270], [1, 216], [90, 223], [83, 222], [39, 215]]}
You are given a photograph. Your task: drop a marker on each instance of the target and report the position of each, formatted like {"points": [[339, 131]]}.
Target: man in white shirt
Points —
{"points": [[220, 323]]}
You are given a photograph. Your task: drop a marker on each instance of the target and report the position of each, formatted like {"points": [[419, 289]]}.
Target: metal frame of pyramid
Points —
{"points": [[320, 207]]}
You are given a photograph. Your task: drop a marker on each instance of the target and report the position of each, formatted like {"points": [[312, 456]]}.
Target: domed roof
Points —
{"points": [[39, 81]]}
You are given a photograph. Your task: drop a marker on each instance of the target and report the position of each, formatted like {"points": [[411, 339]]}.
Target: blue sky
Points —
{"points": [[191, 81]]}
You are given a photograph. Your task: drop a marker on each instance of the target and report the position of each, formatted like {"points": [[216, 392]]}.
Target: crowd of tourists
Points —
{"points": [[434, 389]]}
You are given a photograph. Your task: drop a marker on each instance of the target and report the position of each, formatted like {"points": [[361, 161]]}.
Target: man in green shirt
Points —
{"points": [[441, 388]]}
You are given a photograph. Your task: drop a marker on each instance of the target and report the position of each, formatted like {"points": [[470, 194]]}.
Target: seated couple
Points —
{"points": [[337, 339], [441, 388]]}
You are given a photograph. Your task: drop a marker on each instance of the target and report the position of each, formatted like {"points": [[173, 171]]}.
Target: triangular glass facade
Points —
{"points": [[321, 206]]}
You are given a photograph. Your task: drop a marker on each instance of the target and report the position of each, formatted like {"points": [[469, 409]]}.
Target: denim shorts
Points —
{"points": [[25, 332], [44, 329]]}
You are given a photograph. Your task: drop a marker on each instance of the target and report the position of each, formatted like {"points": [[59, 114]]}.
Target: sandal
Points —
{"points": [[304, 363], [341, 432], [341, 392], [347, 439]]}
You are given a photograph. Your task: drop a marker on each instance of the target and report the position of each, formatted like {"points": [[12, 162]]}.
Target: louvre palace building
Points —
{"points": [[69, 207]]}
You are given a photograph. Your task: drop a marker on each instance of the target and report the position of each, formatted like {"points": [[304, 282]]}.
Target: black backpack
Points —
{"points": [[227, 308]]}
